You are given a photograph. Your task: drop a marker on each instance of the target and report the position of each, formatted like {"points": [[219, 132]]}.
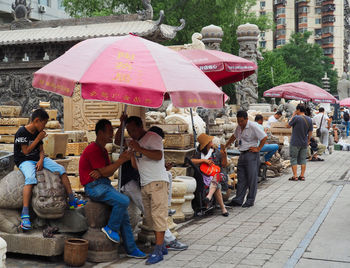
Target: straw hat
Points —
{"points": [[203, 140]]}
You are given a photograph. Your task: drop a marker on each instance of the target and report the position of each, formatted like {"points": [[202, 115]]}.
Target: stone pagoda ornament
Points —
{"points": [[21, 10], [212, 36], [246, 90], [325, 82]]}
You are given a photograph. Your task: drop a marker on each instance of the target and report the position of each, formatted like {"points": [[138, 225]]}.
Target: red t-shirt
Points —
{"points": [[92, 158]]}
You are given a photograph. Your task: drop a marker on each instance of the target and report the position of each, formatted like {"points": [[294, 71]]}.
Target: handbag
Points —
{"points": [[209, 170], [318, 131]]}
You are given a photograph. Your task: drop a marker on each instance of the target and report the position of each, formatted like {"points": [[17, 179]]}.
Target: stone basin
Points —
{"points": [[177, 156], [6, 163]]}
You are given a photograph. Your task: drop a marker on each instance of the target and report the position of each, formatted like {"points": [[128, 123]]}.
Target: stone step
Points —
{"points": [[7, 138], [10, 121], [10, 111], [76, 148], [73, 166], [8, 130]]}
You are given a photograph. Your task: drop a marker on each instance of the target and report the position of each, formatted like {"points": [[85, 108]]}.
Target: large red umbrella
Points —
{"points": [[221, 67], [301, 91], [345, 102], [131, 70]]}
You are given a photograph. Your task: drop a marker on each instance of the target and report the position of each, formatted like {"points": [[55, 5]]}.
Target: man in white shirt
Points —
{"points": [[274, 118], [248, 135], [323, 123], [148, 158]]}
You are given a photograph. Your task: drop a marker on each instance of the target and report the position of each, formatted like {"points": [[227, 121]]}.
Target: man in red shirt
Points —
{"points": [[94, 170]]}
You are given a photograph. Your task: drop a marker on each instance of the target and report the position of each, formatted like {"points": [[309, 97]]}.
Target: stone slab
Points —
{"points": [[13, 121], [177, 156], [75, 183], [177, 141], [73, 165], [8, 130], [76, 148], [6, 147], [7, 138], [34, 243], [10, 111]]}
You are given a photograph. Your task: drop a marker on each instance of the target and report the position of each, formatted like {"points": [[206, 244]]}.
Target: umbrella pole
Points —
{"points": [[193, 129], [121, 149]]}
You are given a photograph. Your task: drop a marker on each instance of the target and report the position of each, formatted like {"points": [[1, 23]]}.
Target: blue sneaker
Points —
{"points": [[164, 250], [113, 236], [25, 222], [155, 257], [137, 254], [77, 203]]}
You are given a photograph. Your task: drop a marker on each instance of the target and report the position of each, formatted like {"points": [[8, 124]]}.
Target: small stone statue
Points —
{"points": [[21, 10], [196, 42], [343, 87]]}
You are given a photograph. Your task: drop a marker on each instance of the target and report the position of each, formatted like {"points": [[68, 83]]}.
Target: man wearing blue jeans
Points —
{"points": [[344, 114], [270, 149], [94, 170]]}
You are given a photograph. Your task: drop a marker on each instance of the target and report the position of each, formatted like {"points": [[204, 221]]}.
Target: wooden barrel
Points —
{"points": [[75, 251]]}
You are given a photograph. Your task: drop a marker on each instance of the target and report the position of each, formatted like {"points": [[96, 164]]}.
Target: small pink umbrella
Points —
{"points": [[345, 102], [301, 91], [222, 68], [131, 70]]}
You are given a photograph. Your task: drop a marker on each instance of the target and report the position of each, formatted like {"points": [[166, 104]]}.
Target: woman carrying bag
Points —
{"points": [[211, 162]]}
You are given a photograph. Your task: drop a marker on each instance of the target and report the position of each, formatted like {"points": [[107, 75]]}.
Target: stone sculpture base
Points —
{"points": [[34, 243]]}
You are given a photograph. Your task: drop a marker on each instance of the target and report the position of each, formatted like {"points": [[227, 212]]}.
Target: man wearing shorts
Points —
{"points": [[301, 135]]}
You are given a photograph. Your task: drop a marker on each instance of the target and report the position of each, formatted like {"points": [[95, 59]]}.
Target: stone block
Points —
{"points": [[177, 156], [8, 130], [6, 163], [6, 147], [10, 111], [63, 162], [76, 148], [52, 114], [55, 145], [75, 183], [34, 243], [177, 141], [13, 121], [76, 136], [7, 138], [53, 125], [91, 136], [3, 249], [73, 165], [172, 128], [278, 125]]}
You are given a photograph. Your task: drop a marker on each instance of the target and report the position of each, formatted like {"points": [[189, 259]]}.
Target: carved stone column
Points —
{"points": [[212, 36], [246, 90]]}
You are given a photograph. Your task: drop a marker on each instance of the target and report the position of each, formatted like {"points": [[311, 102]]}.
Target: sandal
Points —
{"points": [[25, 222], [293, 179], [314, 159], [301, 178], [320, 159]]}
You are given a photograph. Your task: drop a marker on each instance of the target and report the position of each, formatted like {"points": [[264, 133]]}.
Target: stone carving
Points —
{"points": [[147, 13], [212, 36], [16, 89], [153, 117], [343, 87], [6, 163], [179, 189], [191, 185], [288, 107], [196, 42], [246, 90], [21, 10]]}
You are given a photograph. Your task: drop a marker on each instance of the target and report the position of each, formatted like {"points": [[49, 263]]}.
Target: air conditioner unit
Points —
{"points": [[42, 9]]}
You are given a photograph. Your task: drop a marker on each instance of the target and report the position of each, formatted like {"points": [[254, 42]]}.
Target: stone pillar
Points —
{"points": [[101, 249], [179, 189], [212, 36], [191, 185], [246, 90]]}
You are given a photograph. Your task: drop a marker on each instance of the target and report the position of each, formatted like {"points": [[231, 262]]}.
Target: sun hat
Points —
{"points": [[203, 140]]}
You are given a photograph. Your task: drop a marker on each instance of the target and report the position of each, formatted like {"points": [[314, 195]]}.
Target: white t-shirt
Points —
{"points": [[317, 120], [251, 135], [272, 119], [151, 170]]}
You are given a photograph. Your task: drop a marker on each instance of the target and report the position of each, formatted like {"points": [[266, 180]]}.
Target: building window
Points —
{"points": [[302, 30], [60, 4], [318, 21], [262, 13], [281, 32], [328, 29], [302, 10], [317, 10], [328, 8], [302, 19], [44, 3], [262, 4], [318, 41], [262, 34], [263, 44], [329, 18], [281, 20], [327, 40], [281, 10], [281, 42], [328, 51]]}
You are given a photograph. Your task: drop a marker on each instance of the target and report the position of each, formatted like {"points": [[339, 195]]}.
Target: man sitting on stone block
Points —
{"points": [[94, 170], [29, 157]]}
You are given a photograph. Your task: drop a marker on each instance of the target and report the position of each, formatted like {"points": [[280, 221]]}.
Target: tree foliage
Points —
{"points": [[296, 61]]}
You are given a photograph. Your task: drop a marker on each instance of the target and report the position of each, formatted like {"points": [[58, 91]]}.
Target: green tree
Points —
{"points": [[274, 71]]}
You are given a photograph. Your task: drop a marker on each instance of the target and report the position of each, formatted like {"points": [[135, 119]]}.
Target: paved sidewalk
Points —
{"points": [[267, 234]]}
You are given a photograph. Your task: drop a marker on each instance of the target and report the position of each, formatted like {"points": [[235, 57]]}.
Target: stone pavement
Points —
{"points": [[279, 231]]}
